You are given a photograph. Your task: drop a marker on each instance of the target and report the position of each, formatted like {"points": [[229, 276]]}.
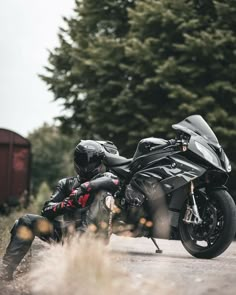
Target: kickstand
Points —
{"points": [[155, 243]]}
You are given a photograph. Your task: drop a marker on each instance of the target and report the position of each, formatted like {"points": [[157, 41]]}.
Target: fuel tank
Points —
{"points": [[145, 144], [144, 156]]}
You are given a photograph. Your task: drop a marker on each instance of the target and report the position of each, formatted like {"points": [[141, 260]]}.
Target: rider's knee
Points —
{"points": [[25, 220], [22, 221], [23, 228]]}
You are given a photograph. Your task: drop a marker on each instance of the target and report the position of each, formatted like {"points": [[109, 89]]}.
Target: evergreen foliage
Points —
{"points": [[52, 156], [128, 69]]}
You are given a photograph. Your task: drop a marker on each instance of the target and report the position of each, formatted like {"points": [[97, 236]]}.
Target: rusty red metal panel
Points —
{"points": [[4, 154], [14, 166], [7, 136], [20, 168]]}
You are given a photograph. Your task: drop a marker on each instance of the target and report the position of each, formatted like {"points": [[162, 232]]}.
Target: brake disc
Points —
{"points": [[204, 230]]}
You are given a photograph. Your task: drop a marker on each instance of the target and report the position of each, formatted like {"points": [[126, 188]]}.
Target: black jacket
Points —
{"points": [[58, 204], [63, 190]]}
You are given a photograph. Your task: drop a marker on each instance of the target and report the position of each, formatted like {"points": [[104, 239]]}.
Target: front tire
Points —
{"points": [[215, 234]]}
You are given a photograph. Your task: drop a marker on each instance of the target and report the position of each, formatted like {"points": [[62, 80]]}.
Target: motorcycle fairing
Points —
{"points": [[196, 125], [215, 156], [203, 142], [147, 160], [176, 173], [178, 197], [172, 177]]}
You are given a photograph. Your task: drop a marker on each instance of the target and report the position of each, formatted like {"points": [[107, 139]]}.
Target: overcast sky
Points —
{"points": [[27, 29]]}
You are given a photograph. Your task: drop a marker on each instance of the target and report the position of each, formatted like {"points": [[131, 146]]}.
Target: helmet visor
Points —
{"points": [[84, 160]]}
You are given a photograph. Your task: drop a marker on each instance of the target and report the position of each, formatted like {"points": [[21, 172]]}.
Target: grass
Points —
{"points": [[83, 267], [86, 266], [7, 222]]}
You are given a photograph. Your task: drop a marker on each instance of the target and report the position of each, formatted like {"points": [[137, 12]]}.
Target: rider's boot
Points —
{"points": [[21, 239]]}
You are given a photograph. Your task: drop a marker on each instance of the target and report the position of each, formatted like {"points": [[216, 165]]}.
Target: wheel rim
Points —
{"points": [[205, 235]]}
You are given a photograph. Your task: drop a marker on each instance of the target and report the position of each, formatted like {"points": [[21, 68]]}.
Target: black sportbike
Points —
{"points": [[174, 187]]}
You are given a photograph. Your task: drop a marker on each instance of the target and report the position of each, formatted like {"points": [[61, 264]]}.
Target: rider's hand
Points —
{"points": [[80, 197], [106, 182], [68, 203]]}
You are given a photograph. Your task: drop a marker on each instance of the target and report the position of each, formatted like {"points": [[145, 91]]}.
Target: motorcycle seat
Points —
{"points": [[114, 160]]}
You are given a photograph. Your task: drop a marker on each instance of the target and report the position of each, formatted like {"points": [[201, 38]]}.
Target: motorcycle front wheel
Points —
{"points": [[217, 230]]}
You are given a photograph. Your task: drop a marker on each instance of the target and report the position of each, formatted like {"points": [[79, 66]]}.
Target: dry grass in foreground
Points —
{"points": [[84, 267], [79, 267]]}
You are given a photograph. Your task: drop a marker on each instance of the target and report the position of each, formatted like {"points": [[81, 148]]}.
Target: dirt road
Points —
{"points": [[174, 271], [176, 268]]}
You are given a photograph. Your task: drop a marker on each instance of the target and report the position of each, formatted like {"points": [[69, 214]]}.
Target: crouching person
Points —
{"points": [[84, 201]]}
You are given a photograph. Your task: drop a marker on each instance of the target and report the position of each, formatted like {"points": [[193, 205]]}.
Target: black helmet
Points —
{"points": [[88, 157]]}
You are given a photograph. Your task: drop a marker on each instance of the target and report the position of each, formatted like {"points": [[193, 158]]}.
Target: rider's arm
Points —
{"points": [[106, 182], [78, 198], [55, 206]]}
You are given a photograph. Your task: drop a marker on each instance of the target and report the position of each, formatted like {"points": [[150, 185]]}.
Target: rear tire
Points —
{"points": [[215, 234]]}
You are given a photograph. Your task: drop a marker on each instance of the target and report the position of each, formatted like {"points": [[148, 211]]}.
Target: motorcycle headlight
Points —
{"points": [[208, 155], [228, 166]]}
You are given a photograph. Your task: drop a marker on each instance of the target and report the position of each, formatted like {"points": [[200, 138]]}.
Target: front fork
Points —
{"points": [[192, 215]]}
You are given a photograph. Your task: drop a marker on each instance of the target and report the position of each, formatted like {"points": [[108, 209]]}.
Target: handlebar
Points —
{"points": [[182, 143]]}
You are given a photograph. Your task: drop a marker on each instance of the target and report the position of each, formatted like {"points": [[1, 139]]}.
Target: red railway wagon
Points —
{"points": [[15, 157]]}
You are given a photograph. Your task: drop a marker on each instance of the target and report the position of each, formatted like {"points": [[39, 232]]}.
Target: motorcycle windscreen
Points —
{"points": [[195, 124]]}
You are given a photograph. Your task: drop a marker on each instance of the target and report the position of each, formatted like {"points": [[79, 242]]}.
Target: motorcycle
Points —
{"points": [[179, 187]]}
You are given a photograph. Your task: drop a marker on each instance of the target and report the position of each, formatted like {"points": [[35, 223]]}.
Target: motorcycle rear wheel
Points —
{"points": [[215, 234]]}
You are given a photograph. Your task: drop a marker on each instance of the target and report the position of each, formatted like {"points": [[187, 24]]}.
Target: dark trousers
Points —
{"points": [[29, 226], [23, 233]]}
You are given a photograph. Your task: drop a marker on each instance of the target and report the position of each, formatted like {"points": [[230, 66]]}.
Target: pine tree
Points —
{"points": [[128, 69], [85, 69], [182, 62]]}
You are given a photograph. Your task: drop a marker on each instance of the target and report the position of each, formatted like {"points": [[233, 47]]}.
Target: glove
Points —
{"points": [[80, 197], [67, 203], [59, 208]]}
